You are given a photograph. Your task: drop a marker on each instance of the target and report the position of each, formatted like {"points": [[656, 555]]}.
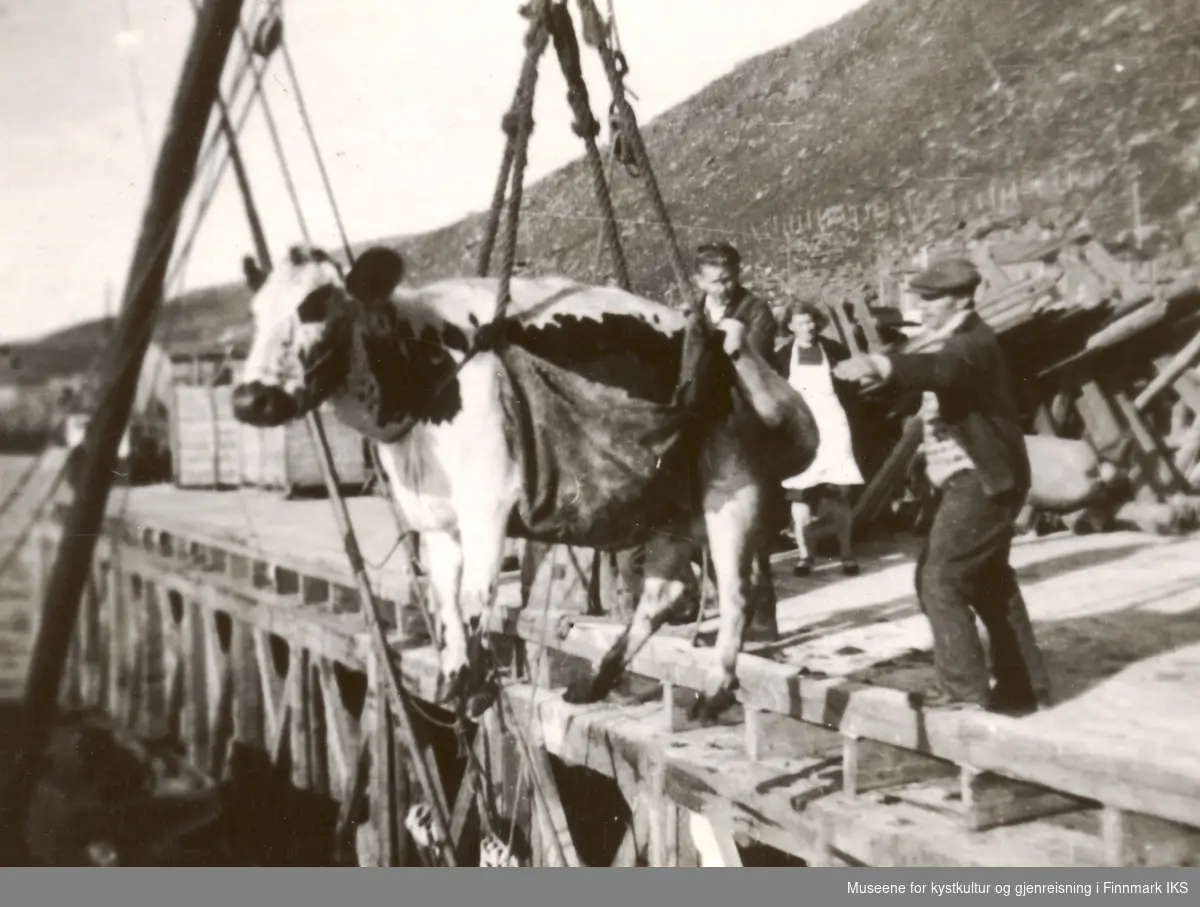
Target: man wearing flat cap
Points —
{"points": [[976, 460]]}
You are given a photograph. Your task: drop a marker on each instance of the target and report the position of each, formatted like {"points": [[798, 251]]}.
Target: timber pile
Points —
{"points": [[1103, 349]]}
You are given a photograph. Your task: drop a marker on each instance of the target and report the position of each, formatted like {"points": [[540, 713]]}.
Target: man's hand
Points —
{"points": [[735, 334], [865, 371]]}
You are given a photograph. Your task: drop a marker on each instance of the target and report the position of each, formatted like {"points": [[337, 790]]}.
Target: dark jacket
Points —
{"points": [[756, 315], [978, 400]]}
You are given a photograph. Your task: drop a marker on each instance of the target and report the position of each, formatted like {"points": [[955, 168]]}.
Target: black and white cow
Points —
{"points": [[385, 355]]}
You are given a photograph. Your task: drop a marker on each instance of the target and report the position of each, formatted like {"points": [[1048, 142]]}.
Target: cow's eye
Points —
{"points": [[315, 307]]}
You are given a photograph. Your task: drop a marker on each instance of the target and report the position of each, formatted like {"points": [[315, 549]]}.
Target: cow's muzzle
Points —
{"points": [[262, 405]]}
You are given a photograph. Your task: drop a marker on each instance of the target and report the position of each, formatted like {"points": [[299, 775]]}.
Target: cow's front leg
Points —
{"points": [[483, 555], [445, 570], [483, 540], [668, 577]]}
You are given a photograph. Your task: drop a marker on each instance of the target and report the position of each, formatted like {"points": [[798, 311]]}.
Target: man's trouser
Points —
{"points": [[963, 570]]}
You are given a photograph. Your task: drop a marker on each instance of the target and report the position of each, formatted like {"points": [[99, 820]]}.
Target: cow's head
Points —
{"points": [[301, 309]]}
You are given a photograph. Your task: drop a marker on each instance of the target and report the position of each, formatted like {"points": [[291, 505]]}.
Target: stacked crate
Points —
{"points": [[285, 458], [211, 449], [203, 432]]}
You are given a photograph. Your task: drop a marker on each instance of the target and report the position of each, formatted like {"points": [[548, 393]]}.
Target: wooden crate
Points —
{"points": [[285, 458], [204, 437]]}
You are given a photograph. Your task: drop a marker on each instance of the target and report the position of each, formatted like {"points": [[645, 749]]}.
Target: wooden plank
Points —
{"points": [[1158, 460], [993, 275], [879, 829], [864, 317], [1116, 273], [1099, 419], [1043, 422], [1169, 373]]}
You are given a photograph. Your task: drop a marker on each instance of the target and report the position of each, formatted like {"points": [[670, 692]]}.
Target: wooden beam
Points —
{"points": [[991, 800], [1050, 754], [770, 735], [869, 764], [1158, 461], [1169, 373], [1131, 839], [1099, 419], [713, 836]]}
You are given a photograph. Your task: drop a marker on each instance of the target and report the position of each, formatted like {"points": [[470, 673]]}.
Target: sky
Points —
{"points": [[405, 97]]}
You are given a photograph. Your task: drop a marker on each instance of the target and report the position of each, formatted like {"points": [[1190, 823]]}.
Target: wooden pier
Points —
{"points": [[228, 621]]}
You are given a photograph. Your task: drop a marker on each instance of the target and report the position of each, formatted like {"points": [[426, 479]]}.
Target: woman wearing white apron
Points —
{"points": [[807, 361]]}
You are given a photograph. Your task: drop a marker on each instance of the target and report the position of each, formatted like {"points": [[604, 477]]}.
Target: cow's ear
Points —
{"points": [[255, 275], [375, 274]]}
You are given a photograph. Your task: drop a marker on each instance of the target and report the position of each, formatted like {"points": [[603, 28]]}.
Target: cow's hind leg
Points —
{"points": [[730, 518], [668, 576], [445, 571]]}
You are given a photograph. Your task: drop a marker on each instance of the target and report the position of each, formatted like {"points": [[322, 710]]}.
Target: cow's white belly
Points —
{"points": [[442, 476]]}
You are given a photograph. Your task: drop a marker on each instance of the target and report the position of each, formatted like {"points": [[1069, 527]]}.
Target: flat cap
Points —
{"points": [[720, 252], [951, 276]]}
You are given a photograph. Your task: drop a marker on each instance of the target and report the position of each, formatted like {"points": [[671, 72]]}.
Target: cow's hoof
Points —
{"points": [[450, 686], [482, 699], [707, 710], [583, 692], [762, 632]]}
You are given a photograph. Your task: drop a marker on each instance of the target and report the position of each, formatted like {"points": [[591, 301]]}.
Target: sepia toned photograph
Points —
{"points": [[603, 433]]}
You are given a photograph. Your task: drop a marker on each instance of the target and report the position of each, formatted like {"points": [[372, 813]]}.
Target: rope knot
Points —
{"points": [[511, 123], [585, 125], [622, 147], [268, 35]]}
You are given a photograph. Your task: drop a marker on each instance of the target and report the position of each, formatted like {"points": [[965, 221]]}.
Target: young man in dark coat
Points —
{"points": [[976, 460], [718, 278]]}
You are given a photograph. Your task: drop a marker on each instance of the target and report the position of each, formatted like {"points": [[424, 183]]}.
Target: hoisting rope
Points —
{"points": [[536, 39], [586, 127], [615, 71]]}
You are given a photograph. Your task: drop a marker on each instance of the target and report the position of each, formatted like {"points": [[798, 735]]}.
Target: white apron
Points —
{"points": [[834, 463]]}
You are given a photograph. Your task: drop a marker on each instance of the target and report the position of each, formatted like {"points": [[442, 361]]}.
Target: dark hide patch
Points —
{"points": [[408, 372], [618, 351], [375, 274], [327, 364], [454, 338], [315, 307], [255, 276]]}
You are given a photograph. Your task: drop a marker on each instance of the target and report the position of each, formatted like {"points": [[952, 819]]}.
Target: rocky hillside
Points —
{"points": [[906, 121]]}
